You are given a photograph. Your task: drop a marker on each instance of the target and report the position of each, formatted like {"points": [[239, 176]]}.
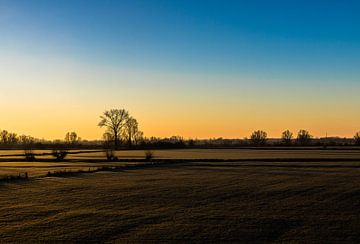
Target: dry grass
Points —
{"points": [[84, 161], [205, 154], [189, 202]]}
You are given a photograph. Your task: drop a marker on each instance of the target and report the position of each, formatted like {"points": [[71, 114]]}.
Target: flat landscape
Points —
{"points": [[179, 121], [92, 159], [307, 199]]}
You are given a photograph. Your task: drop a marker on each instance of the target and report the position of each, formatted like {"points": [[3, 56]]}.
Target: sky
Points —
{"points": [[198, 69]]}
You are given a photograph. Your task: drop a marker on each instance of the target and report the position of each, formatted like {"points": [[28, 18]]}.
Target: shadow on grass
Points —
{"points": [[14, 178], [69, 173]]}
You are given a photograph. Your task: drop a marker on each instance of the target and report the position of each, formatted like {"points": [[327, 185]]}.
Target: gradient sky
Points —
{"points": [[192, 68]]}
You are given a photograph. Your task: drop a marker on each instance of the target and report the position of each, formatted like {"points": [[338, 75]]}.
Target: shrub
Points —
{"points": [[110, 155], [149, 155], [59, 154], [29, 155]]}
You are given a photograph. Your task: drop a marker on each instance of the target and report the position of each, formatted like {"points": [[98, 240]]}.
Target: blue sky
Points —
{"points": [[268, 45], [236, 36]]}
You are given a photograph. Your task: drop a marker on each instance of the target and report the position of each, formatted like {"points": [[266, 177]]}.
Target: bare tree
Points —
{"points": [[8, 138], [286, 137], [304, 137], [130, 130], [114, 120], [24, 140], [71, 138], [258, 137], [108, 138], [139, 137], [13, 138], [4, 136], [357, 138]]}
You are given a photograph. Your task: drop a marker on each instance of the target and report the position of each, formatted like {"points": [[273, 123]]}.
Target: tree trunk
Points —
{"points": [[130, 142], [116, 140]]}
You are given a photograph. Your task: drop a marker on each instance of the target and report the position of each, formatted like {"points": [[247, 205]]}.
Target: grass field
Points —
{"points": [[255, 201], [90, 160]]}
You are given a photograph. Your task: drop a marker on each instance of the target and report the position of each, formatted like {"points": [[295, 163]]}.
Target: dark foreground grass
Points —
{"points": [[199, 203]]}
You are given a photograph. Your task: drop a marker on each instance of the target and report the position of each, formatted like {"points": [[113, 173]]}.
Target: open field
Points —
{"points": [[90, 160], [211, 154], [243, 201]]}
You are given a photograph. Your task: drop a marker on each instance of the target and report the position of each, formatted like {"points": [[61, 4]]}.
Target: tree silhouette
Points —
{"points": [[139, 137], [130, 130], [304, 137], [24, 140], [357, 138], [114, 120], [286, 137], [4, 136], [8, 138], [71, 138], [258, 137], [12, 138]]}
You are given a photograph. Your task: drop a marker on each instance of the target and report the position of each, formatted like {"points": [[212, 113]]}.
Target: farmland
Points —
{"points": [[90, 159], [256, 198]]}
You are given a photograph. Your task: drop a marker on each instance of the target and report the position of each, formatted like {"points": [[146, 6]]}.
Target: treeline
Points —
{"points": [[255, 140], [122, 131], [302, 138], [10, 140], [258, 138]]}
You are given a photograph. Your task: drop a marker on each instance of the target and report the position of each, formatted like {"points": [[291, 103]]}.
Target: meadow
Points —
{"points": [[92, 159], [238, 195]]}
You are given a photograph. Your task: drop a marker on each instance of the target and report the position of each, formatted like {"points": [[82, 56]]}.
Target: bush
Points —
{"points": [[149, 155], [110, 155], [59, 154], [29, 155]]}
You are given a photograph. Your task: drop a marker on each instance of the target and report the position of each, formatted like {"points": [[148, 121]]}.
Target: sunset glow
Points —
{"points": [[179, 71]]}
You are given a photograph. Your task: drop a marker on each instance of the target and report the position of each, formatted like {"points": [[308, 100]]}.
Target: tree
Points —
{"points": [[108, 137], [25, 140], [304, 137], [4, 136], [114, 120], [109, 151], [12, 138], [71, 138], [130, 130], [139, 137], [357, 138], [286, 137], [258, 137]]}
